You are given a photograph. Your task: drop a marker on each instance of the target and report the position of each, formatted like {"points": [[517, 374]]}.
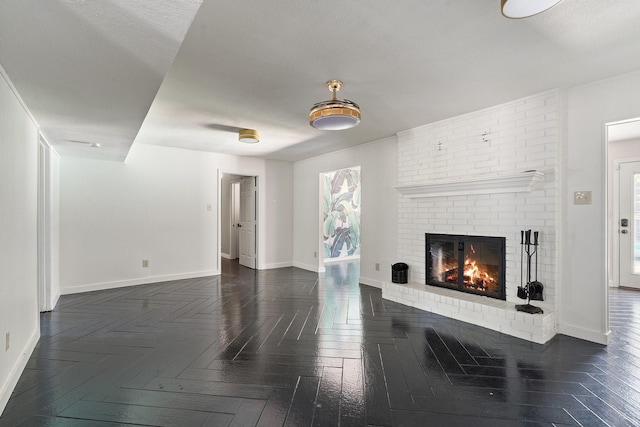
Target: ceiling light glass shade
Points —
{"points": [[334, 114], [249, 136], [517, 9]]}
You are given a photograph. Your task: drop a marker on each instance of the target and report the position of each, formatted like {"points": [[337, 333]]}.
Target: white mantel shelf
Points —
{"points": [[483, 184]]}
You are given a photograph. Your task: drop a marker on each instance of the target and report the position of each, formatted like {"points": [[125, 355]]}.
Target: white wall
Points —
{"points": [[19, 314], [583, 300], [154, 207], [379, 200], [275, 234]]}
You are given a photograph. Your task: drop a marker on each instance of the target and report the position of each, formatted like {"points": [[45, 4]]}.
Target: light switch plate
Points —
{"points": [[582, 198]]}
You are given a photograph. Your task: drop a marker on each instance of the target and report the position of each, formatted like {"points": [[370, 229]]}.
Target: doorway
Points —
{"points": [[629, 224], [340, 203], [235, 220], [623, 152], [238, 219]]}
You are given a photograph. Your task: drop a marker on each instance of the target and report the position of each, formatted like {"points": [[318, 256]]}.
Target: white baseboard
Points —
{"points": [[277, 265], [309, 267], [18, 368], [585, 334], [226, 256], [371, 282], [134, 282]]}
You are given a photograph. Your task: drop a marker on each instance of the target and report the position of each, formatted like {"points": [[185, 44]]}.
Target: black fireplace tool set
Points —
{"points": [[532, 290]]}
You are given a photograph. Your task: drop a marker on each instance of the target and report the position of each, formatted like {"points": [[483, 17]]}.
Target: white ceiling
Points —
{"points": [[89, 70]]}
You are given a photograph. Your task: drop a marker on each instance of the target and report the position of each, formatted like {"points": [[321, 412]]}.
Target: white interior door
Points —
{"points": [[629, 224], [235, 220], [248, 219]]}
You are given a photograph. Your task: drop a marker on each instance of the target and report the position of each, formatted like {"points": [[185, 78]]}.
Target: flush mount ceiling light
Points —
{"points": [[90, 144], [516, 9], [249, 136], [334, 114]]}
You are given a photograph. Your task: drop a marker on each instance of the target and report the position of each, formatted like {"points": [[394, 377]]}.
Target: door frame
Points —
{"points": [[611, 224], [48, 222], [616, 217], [45, 302], [260, 214], [321, 258]]}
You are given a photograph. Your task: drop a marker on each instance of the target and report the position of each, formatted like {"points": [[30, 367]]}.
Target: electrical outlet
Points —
{"points": [[377, 266], [145, 263], [315, 254], [7, 341]]}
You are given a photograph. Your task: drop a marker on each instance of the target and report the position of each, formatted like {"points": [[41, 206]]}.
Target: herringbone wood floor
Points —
{"points": [[284, 347]]}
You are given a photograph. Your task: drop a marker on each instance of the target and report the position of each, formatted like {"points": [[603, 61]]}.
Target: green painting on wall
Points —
{"points": [[341, 213]]}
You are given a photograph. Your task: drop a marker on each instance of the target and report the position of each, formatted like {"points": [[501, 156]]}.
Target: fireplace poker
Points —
{"points": [[522, 293], [536, 287], [527, 239], [521, 257], [535, 245], [528, 290]]}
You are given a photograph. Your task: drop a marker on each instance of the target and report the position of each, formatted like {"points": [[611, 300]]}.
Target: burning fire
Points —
{"points": [[474, 276]]}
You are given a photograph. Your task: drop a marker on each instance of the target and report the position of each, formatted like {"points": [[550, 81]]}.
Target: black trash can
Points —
{"points": [[400, 272]]}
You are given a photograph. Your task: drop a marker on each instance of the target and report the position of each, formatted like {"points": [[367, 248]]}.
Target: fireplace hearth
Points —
{"points": [[471, 264]]}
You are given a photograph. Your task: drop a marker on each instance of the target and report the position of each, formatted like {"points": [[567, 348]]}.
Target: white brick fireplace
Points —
{"points": [[493, 173]]}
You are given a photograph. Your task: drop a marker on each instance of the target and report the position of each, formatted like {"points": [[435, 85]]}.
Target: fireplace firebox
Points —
{"points": [[471, 264]]}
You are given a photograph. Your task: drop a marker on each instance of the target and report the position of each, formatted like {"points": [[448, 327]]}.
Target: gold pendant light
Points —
{"points": [[334, 114]]}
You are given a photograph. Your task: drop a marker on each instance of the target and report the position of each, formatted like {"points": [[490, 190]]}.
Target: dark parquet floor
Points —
{"points": [[286, 348]]}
